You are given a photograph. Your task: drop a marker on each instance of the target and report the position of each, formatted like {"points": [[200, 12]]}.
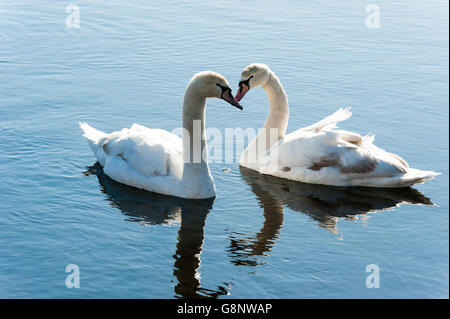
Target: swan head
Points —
{"points": [[211, 84], [254, 75]]}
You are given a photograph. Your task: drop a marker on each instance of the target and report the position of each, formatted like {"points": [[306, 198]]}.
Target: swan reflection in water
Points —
{"points": [[154, 209], [325, 204]]}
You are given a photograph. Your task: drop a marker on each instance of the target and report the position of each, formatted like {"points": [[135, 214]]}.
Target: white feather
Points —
{"points": [[152, 159], [320, 154]]}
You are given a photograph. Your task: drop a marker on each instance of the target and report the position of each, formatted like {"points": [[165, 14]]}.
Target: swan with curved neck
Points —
{"points": [[319, 153], [157, 160]]}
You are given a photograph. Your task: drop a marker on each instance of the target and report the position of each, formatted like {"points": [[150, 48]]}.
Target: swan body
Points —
{"points": [[157, 160], [320, 153]]}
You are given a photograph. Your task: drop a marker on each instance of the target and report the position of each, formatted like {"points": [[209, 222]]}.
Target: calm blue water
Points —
{"points": [[261, 237]]}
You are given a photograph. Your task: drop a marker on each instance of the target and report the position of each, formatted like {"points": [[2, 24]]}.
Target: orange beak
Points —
{"points": [[243, 89], [227, 96]]}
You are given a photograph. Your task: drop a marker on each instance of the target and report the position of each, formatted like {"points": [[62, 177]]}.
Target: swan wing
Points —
{"points": [[151, 152], [340, 158], [137, 151], [309, 149], [330, 122]]}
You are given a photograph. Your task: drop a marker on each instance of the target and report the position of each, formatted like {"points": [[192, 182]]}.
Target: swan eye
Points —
{"points": [[246, 82], [224, 88]]}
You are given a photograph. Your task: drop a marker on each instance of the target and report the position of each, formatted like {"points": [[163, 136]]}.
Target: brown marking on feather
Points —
{"points": [[402, 161], [326, 161], [285, 169], [356, 141], [362, 167]]}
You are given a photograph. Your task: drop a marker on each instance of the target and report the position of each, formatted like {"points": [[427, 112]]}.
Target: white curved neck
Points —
{"points": [[196, 178], [275, 125], [279, 108]]}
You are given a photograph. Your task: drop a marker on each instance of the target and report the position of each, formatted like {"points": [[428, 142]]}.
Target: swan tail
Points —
{"points": [[95, 139], [330, 122], [410, 178], [416, 176]]}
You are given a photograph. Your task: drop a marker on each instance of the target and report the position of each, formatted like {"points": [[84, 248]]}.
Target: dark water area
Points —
{"points": [[261, 237]]}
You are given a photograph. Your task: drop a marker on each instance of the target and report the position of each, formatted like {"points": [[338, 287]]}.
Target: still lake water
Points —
{"points": [[260, 237]]}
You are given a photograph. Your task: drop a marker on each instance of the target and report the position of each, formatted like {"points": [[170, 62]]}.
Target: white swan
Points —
{"points": [[157, 160], [318, 153]]}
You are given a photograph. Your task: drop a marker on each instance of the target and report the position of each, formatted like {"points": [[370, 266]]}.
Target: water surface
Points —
{"points": [[260, 237]]}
